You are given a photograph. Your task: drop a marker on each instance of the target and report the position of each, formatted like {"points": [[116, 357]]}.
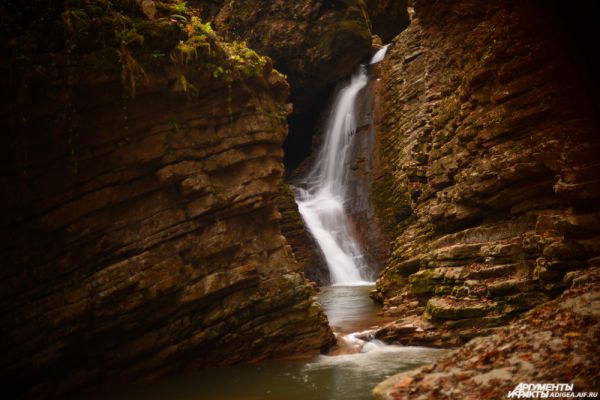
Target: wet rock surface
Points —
{"points": [[315, 43], [488, 171], [306, 251], [553, 343], [372, 240]]}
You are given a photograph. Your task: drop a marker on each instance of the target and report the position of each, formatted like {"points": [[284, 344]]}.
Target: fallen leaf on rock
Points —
{"points": [[488, 394], [525, 357], [463, 376], [404, 382]]}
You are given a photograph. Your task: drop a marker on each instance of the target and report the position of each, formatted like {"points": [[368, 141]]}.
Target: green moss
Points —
{"points": [[391, 204], [437, 281], [440, 309], [442, 290], [424, 282], [459, 291], [390, 282], [114, 37], [353, 26], [291, 220]]}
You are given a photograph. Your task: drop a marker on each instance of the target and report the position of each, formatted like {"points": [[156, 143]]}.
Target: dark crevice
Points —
{"points": [[302, 127]]}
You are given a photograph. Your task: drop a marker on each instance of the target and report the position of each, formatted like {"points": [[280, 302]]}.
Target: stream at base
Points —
{"points": [[359, 362], [327, 377]]}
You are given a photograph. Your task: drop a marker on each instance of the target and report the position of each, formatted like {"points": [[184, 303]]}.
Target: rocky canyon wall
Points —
{"points": [[363, 167], [316, 43], [489, 182], [140, 233]]}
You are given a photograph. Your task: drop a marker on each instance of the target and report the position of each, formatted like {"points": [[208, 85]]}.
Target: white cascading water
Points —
{"points": [[321, 203]]}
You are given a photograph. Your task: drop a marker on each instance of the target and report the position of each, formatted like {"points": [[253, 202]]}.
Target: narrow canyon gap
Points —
{"points": [[447, 197]]}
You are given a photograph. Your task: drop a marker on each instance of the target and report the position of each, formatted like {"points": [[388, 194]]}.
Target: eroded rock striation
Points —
{"points": [[489, 182], [314, 42], [140, 233], [555, 343], [306, 250]]}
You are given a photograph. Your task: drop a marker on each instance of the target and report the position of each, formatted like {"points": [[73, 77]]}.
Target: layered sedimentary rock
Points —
{"points": [[555, 343], [489, 182], [363, 168], [315, 43], [305, 249], [140, 234]]}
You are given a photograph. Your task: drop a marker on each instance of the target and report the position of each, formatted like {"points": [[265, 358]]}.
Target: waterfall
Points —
{"points": [[321, 202], [380, 55]]}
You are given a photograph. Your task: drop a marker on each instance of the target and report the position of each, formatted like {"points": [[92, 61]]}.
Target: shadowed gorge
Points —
{"points": [[289, 200], [140, 229]]}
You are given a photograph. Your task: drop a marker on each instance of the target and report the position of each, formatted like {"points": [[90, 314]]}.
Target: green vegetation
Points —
{"points": [[61, 40]]}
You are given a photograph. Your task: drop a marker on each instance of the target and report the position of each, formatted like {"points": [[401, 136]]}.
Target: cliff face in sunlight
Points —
{"points": [[140, 231], [490, 180]]}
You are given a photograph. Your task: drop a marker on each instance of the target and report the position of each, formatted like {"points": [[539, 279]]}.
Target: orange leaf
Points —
{"points": [[525, 357], [404, 382]]}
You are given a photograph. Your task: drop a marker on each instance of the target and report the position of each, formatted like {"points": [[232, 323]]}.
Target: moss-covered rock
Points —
{"points": [[314, 42], [141, 165], [115, 38], [425, 281], [445, 308]]}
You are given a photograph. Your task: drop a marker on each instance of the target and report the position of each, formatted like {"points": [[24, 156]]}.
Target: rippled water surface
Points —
{"points": [[349, 308], [341, 377]]}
